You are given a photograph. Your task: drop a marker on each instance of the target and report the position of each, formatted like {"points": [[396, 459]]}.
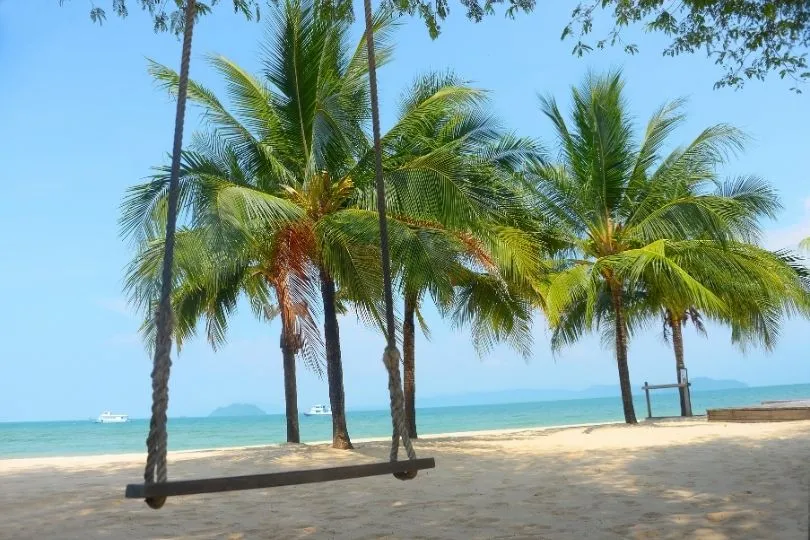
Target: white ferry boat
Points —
{"points": [[319, 410], [109, 418]]}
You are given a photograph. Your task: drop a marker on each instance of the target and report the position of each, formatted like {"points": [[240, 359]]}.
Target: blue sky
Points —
{"points": [[81, 121]]}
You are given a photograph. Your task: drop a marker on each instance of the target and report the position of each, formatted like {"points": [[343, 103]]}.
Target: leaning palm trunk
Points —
{"points": [[334, 364], [676, 325], [621, 353], [409, 363]]}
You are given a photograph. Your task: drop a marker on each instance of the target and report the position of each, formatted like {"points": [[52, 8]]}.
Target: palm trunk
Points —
{"points": [[290, 385], [409, 363], [677, 345], [289, 347], [621, 354], [334, 364]]}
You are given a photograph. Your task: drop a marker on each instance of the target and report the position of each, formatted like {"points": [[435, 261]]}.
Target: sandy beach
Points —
{"points": [[663, 480]]}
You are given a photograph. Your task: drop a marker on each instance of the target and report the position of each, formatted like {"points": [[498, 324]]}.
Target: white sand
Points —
{"points": [[666, 480]]}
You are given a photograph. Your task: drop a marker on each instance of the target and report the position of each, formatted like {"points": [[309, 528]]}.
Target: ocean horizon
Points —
{"points": [[74, 438]]}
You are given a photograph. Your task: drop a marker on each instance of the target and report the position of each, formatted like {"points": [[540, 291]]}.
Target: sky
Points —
{"points": [[81, 121]]}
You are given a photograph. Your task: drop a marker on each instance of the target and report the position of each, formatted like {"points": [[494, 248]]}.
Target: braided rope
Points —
{"points": [[156, 442], [391, 357]]}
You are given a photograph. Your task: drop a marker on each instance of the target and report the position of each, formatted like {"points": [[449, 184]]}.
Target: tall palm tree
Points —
{"points": [[274, 158], [425, 267], [622, 211], [757, 288], [436, 249], [211, 275], [464, 281], [291, 154]]}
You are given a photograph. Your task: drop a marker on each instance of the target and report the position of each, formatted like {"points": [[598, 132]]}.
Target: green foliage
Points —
{"points": [[451, 241], [748, 39], [251, 185], [435, 11], [620, 208], [210, 277], [280, 185], [757, 289], [167, 15], [661, 231], [278, 189], [495, 310]]}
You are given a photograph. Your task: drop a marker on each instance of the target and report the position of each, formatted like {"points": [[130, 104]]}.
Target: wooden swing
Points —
{"points": [[156, 488]]}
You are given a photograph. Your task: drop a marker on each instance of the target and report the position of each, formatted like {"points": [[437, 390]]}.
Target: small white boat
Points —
{"points": [[319, 410], [109, 418]]}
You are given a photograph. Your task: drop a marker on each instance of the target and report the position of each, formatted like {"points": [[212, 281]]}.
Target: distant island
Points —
{"points": [[238, 409], [699, 384]]}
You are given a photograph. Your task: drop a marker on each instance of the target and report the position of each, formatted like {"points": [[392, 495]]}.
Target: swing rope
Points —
{"points": [[156, 442], [391, 357], [155, 471]]}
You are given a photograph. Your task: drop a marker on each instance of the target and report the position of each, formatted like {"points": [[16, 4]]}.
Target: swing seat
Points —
{"points": [[288, 478]]}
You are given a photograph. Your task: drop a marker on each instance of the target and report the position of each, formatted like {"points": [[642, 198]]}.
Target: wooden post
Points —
{"points": [[647, 394]]}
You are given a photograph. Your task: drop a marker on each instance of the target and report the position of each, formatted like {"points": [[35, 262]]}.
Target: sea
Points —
{"points": [[41, 439]]}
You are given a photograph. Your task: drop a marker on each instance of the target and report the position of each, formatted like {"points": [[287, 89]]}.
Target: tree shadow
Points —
{"points": [[512, 486]]}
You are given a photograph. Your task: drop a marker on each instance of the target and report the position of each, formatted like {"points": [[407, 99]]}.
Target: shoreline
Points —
{"points": [[10, 463]]}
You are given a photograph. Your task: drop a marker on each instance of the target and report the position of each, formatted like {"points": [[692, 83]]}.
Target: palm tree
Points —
{"points": [[757, 287], [271, 163], [291, 156], [621, 211], [463, 280], [425, 267], [211, 275], [437, 250]]}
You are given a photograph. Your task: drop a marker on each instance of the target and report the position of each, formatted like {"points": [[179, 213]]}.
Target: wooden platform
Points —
{"points": [[767, 411]]}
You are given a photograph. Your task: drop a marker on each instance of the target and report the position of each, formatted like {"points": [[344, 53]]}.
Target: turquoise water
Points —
{"points": [[85, 438]]}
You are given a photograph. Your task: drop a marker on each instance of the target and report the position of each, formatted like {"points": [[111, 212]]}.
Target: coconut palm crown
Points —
{"points": [[279, 187], [629, 216]]}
